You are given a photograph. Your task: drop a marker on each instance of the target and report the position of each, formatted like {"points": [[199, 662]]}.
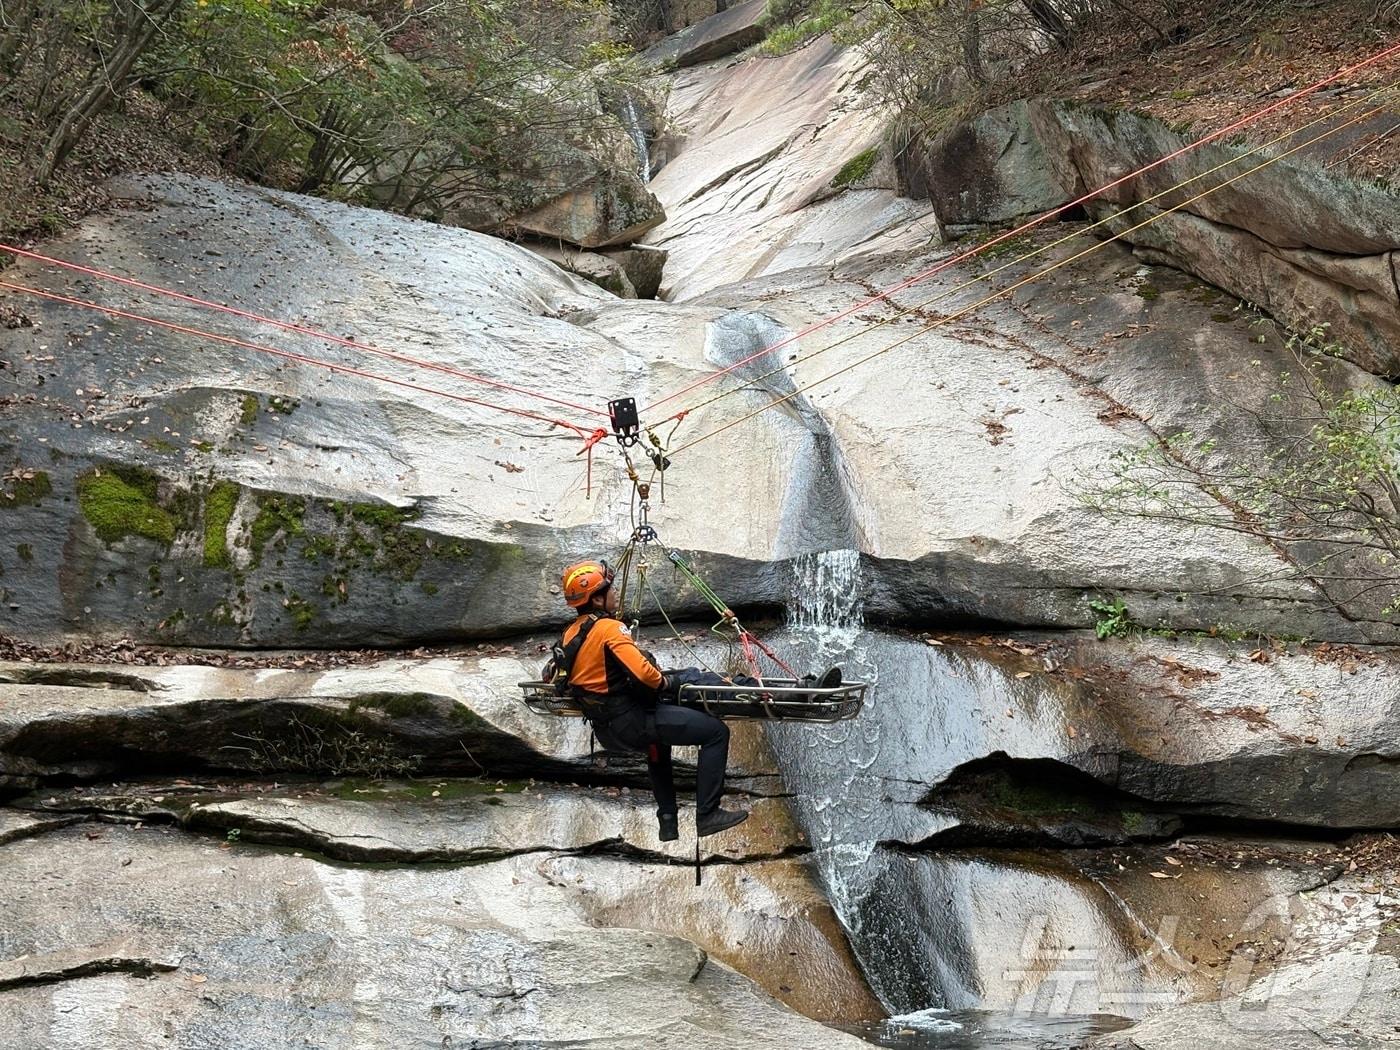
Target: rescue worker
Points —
{"points": [[621, 690]]}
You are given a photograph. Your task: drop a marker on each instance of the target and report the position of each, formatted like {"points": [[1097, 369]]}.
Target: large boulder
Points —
{"points": [[1306, 245], [989, 169], [729, 29], [629, 273], [194, 491], [610, 208]]}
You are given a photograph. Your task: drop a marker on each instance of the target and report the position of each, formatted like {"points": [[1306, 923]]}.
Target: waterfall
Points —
{"points": [[636, 131], [826, 591]]}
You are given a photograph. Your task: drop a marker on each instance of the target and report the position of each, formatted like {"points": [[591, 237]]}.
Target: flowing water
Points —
{"points": [[632, 121], [963, 950], [984, 1030]]}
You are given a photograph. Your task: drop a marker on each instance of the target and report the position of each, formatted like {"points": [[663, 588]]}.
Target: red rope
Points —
{"points": [[749, 658], [287, 326], [290, 355], [747, 638], [1032, 224]]}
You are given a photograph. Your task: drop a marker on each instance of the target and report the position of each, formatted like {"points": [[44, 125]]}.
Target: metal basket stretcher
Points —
{"points": [[776, 700]]}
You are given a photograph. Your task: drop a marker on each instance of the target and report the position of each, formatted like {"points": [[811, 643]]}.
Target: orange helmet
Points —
{"points": [[585, 579]]}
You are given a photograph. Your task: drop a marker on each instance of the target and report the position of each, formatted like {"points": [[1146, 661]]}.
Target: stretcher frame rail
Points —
{"points": [[776, 700]]}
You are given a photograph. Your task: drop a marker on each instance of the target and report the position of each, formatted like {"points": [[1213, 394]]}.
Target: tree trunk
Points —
{"points": [[1050, 20], [16, 21], [972, 45], [137, 29]]}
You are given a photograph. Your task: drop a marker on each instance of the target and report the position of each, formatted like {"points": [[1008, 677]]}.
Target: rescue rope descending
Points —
{"points": [[772, 698]]}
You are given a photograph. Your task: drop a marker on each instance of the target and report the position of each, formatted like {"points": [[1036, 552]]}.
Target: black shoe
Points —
{"points": [[830, 680], [668, 831], [718, 820]]}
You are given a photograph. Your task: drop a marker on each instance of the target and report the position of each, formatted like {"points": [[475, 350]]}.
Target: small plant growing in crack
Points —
{"points": [[1114, 620]]}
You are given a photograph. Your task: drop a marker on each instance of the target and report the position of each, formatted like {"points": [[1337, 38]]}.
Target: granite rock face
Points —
{"points": [[1304, 244], [144, 936]]}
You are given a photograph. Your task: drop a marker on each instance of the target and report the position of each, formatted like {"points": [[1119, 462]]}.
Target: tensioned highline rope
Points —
{"points": [[290, 355], [1027, 280], [902, 311], [1296, 96], [287, 326]]}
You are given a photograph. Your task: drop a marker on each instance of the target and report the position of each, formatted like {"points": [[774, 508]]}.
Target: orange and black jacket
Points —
{"points": [[609, 668]]}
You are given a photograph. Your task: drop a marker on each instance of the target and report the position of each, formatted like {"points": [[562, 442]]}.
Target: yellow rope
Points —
{"points": [[1040, 273]]}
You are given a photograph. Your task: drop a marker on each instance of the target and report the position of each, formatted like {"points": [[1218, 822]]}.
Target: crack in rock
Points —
{"points": [[73, 963]]}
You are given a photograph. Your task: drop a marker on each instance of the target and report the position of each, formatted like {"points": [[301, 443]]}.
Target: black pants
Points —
{"points": [[695, 676], [675, 726]]}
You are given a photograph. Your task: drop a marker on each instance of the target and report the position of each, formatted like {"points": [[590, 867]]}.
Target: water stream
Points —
{"points": [[961, 949], [631, 116]]}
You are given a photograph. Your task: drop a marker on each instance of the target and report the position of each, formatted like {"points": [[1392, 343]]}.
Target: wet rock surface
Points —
{"points": [[606, 210], [1335, 981], [1011, 741], [1190, 727]]}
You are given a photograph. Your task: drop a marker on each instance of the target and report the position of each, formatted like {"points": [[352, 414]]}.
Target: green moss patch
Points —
{"points": [[121, 503], [218, 512], [379, 537], [278, 516], [857, 168], [25, 552], [249, 415], [26, 487], [303, 613]]}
